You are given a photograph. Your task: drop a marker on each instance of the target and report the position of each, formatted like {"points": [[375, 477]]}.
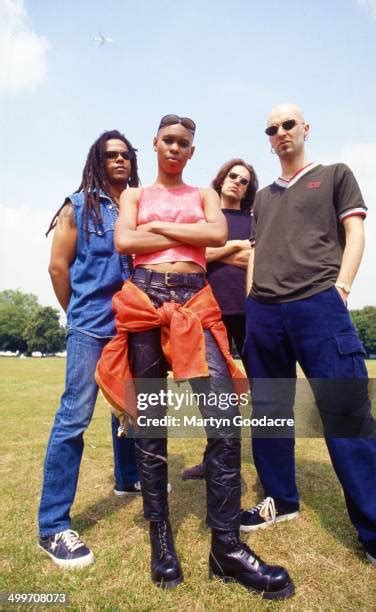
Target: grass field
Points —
{"points": [[320, 549]]}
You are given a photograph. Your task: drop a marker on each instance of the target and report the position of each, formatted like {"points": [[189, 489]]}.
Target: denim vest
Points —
{"points": [[97, 272]]}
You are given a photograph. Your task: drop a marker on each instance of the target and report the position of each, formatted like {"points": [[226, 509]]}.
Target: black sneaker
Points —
{"points": [[263, 515], [67, 550], [134, 489]]}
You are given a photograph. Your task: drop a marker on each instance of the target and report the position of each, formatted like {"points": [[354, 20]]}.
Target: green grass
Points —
{"points": [[320, 549]]}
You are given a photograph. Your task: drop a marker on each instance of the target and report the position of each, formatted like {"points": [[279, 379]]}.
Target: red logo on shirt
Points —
{"points": [[314, 185]]}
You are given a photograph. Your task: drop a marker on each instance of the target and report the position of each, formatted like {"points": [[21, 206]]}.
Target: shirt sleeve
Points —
{"points": [[348, 199]]}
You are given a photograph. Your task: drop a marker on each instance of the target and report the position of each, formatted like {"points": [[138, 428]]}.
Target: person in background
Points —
{"points": [[236, 184], [85, 271]]}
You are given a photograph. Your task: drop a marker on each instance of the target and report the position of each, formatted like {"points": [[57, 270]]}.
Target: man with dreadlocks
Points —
{"points": [[85, 271]]}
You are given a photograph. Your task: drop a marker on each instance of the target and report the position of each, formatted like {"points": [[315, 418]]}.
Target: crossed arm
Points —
{"points": [[158, 235], [235, 253]]}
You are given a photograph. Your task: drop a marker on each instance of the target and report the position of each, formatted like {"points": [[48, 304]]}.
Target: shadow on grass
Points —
{"points": [[183, 501], [320, 492], [317, 483], [104, 507], [187, 499]]}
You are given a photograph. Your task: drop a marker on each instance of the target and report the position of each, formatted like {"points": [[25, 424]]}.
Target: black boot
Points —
{"points": [[165, 567], [231, 560], [197, 472]]}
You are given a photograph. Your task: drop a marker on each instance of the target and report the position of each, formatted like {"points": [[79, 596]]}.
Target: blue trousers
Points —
{"points": [[66, 443], [316, 332], [125, 466]]}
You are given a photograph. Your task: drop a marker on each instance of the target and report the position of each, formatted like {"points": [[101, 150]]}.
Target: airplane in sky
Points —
{"points": [[101, 40]]}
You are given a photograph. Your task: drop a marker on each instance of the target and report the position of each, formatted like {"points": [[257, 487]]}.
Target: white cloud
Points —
{"points": [[24, 252], [23, 53], [369, 5], [361, 159]]}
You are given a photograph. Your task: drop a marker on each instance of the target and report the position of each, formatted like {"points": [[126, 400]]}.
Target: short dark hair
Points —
{"points": [[247, 202], [94, 178]]}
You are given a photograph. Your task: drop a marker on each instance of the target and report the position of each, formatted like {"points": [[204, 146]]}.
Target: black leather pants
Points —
{"points": [[149, 369]]}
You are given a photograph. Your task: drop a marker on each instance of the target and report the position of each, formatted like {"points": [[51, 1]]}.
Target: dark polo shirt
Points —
{"points": [[298, 233]]}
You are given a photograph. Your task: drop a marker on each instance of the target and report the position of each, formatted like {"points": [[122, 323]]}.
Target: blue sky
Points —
{"points": [[223, 64]]}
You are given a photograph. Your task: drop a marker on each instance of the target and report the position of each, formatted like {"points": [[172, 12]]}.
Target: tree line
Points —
{"points": [[26, 326]]}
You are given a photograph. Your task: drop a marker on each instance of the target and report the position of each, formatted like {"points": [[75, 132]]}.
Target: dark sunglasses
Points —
{"points": [[172, 119], [287, 125], [242, 180], [127, 155]]}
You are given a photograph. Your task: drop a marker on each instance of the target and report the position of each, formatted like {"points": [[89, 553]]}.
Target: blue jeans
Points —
{"points": [[318, 333], [125, 466], [66, 444]]}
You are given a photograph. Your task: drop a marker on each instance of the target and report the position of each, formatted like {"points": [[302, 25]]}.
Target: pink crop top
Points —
{"points": [[180, 205]]}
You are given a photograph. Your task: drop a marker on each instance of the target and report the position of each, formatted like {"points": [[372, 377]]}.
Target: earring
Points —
{"points": [[272, 150], [305, 137]]}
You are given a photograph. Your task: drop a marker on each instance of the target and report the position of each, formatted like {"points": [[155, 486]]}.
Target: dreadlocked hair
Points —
{"points": [[94, 180]]}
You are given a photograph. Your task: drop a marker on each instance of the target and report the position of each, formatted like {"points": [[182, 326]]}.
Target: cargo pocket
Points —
{"points": [[350, 357]]}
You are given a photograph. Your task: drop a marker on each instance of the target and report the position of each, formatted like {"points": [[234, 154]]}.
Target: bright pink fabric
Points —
{"points": [[180, 205]]}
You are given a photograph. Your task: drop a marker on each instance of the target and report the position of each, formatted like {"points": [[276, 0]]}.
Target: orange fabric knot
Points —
{"points": [[182, 341]]}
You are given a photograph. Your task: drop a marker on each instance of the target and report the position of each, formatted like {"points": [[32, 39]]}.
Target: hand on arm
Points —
{"points": [[211, 232], [240, 258], [352, 254], [220, 253], [63, 253], [130, 239]]}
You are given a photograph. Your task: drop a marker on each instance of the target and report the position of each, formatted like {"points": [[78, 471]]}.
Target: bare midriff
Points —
{"points": [[184, 267]]}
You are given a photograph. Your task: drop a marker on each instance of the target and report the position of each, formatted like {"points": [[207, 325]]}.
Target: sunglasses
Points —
{"points": [[287, 125], [172, 119], [242, 180], [127, 155]]}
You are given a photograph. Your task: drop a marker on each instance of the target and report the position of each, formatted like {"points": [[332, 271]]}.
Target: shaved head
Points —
{"points": [[286, 110], [289, 131]]}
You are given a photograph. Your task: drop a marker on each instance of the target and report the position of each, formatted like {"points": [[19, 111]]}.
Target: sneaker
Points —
{"points": [[370, 550], [263, 515], [197, 472], [134, 489], [67, 550]]}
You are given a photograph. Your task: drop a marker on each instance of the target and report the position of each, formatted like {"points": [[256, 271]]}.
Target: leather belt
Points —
{"points": [[196, 280]]}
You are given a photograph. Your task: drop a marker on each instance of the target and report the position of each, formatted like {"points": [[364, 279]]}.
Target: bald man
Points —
{"points": [[308, 241]]}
